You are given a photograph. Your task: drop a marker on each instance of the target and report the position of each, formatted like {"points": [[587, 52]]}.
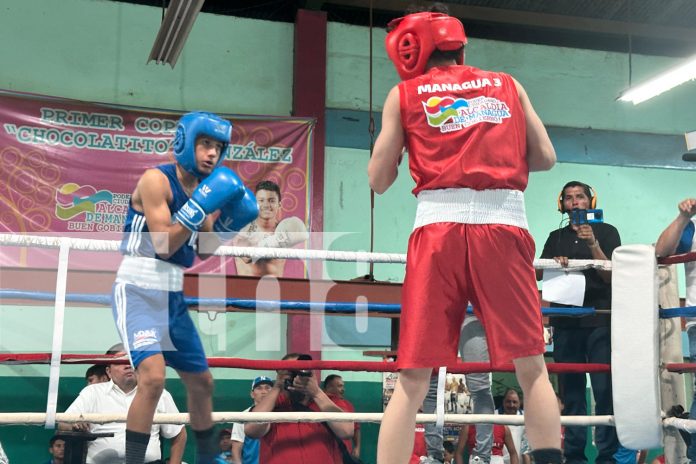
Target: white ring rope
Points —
{"points": [[84, 244], [30, 418], [687, 425], [297, 253], [40, 241]]}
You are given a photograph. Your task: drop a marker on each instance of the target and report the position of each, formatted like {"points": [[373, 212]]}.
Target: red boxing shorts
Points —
{"points": [[450, 264]]}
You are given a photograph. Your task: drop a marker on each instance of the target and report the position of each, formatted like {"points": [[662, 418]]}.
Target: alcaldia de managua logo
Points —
{"points": [[451, 114], [87, 209]]}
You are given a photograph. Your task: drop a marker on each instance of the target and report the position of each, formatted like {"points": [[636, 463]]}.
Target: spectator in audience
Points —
{"points": [[225, 456], [513, 406], [56, 448], [96, 374], [448, 446], [335, 388], [502, 439], [245, 449], [299, 442], [115, 397], [586, 339], [420, 449], [679, 237]]}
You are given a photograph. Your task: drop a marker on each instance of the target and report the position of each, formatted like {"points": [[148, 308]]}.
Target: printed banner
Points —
{"points": [[69, 168], [457, 401]]}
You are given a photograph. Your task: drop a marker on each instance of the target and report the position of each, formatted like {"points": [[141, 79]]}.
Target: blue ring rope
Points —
{"points": [[686, 311], [264, 305]]}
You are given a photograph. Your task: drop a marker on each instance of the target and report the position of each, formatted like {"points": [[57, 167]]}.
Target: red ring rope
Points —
{"points": [[681, 368], [676, 259], [260, 364]]}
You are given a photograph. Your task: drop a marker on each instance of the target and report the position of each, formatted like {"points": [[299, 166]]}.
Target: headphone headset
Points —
{"points": [[587, 188]]}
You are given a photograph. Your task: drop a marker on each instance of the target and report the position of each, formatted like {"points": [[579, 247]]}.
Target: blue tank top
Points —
{"points": [[687, 238], [250, 450], [136, 237]]}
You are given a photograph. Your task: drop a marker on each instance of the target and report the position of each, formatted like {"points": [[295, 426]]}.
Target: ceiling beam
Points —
{"points": [[546, 20]]}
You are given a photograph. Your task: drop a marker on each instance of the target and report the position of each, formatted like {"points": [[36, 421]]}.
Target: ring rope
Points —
{"points": [[686, 311], [636, 258], [680, 368], [266, 305], [687, 425], [262, 305], [24, 418], [261, 364], [83, 244], [677, 259]]}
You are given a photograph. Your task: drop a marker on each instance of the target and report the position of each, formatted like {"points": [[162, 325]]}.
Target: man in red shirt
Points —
{"points": [[502, 437], [472, 138], [298, 442], [335, 388]]}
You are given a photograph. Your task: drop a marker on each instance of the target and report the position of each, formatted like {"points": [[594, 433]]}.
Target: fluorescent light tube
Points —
{"points": [[661, 83]]}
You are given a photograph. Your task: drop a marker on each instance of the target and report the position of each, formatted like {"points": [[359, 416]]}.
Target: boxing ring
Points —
{"points": [[636, 363]]}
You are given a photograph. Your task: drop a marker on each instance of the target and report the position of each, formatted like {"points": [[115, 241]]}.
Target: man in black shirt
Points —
{"points": [[586, 339]]}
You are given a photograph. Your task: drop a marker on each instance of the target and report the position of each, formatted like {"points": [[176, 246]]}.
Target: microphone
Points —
{"points": [[689, 156]]}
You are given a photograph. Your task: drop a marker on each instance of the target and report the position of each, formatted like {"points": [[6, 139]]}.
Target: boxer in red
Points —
{"points": [[472, 138]]}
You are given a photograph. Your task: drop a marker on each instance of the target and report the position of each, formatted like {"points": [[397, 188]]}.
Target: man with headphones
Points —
{"points": [[587, 339]]}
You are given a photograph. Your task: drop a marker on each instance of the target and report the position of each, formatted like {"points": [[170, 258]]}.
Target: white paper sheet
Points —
{"points": [[563, 287]]}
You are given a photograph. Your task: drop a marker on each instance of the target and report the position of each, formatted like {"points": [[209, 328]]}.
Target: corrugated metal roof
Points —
{"points": [[657, 27], [679, 13]]}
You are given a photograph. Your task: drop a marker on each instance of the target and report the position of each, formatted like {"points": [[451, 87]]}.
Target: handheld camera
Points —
{"points": [[586, 216], [302, 373]]}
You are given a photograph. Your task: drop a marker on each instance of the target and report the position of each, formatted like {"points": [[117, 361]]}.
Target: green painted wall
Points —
{"points": [[244, 66], [96, 50], [639, 202], [568, 87]]}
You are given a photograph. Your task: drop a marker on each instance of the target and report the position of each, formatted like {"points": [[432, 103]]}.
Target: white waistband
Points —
{"points": [[467, 206], [151, 273]]}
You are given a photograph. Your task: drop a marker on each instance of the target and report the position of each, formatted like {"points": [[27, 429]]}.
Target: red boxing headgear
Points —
{"points": [[413, 38]]}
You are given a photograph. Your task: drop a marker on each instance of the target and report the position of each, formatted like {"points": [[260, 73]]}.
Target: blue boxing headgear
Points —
{"points": [[193, 125]]}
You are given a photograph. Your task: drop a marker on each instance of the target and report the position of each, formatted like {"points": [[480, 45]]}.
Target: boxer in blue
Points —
{"points": [[170, 205]]}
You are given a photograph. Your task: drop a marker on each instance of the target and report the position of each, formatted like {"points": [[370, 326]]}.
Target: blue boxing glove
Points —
{"points": [[236, 214], [220, 187]]}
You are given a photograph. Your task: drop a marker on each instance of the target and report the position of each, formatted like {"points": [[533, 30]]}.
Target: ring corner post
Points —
{"points": [[635, 350]]}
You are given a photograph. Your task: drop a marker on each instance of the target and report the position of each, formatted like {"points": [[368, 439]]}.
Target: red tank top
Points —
{"points": [[465, 127], [498, 439]]}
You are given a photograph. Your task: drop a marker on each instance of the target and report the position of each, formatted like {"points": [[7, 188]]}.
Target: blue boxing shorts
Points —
{"points": [[154, 322]]}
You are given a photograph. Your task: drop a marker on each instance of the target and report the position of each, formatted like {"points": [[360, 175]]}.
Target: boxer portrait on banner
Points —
{"points": [[472, 138], [173, 207], [269, 230]]}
